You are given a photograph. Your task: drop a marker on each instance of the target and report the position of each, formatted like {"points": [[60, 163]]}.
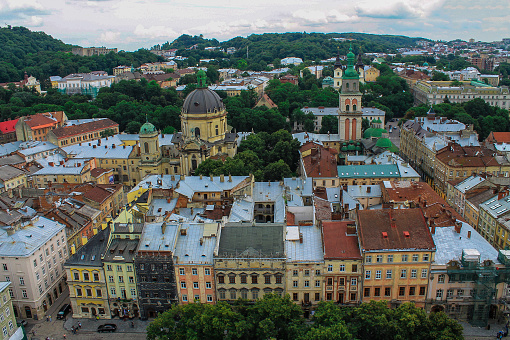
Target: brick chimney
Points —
{"points": [[458, 227]]}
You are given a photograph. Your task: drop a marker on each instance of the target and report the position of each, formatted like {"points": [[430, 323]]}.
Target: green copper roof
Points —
{"points": [[201, 79], [351, 147], [383, 143], [350, 72], [373, 132], [147, 128]]}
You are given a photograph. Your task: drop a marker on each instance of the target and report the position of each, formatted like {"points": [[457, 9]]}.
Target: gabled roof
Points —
{"points": [[68, 131], [498, 137], [386, 229], [40, 120], [337, 243], [319, 161]]}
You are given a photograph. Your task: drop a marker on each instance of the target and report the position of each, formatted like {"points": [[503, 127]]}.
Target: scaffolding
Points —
{"points": [[485, 277]]}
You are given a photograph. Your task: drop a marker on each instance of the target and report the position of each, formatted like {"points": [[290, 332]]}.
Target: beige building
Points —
{"points": [[81, 132], [304, 266], [11, 177], [246, 265], [33, 259], [8, 323]]}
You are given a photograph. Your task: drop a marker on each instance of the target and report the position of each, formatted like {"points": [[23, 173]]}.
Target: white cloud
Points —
{"points": [[35, 21], [155, 32], [397, 9], [109, 37], [20, 4]]}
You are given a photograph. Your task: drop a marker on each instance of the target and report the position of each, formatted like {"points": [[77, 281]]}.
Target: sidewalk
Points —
{"points": [[479, 333], [90, 325]]}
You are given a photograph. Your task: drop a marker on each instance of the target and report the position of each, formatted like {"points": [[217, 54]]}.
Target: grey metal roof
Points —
{"points": [[34, 234], [449, 244], [495, 207], [469, 183], [90, 254], [356, 191], [104, 149], [308, 251], [37, 147], [8, 148], [121, 250], [271, 192], [192, 184], [158, 182], [61, 170], [8, 172], [159, 237], [241, 211], [188, 249], [251, 241], [12, 159], [161, 206], [297, 188]]}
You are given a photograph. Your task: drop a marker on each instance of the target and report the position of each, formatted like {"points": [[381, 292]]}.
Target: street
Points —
{"points": [[395, 133]]}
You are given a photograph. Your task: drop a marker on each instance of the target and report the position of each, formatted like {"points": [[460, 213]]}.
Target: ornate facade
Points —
{"points": [[349, 113]]}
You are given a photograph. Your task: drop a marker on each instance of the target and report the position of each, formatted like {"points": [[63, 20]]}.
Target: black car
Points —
{"points": [[63, 311], [107, 327]]}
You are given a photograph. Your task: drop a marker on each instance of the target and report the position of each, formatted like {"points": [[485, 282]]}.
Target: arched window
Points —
{"points": [[346, 107], [217, 132], [354, 86], [197, 132], [354, 108], [146, 147], [347, 85]]}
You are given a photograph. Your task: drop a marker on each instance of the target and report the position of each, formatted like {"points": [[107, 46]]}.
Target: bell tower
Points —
{"points": [[349, 112]]}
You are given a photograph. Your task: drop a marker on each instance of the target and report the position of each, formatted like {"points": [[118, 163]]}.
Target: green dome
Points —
{"points": [[377, 121], [351, 142], [351, 147], [358, 148], [425, 64], [344, 148], [350, 72], [373, 133], [383, 143], [147, 129]]}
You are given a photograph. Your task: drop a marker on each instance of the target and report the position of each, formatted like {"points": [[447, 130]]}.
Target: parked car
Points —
{"points": [[63, 311], [23, 323], [107, 327]]}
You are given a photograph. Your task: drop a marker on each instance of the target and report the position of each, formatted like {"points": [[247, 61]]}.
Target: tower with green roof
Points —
{"points": [[349, 113]]}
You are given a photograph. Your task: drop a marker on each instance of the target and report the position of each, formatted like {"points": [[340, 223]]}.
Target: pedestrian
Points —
{"points": [[50, 318], [33, 332], [47, 318], [79, 324], [64, 337]]}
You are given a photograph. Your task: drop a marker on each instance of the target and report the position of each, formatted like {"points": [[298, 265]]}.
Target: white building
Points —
{"points": [[85, 83], [291, 61], [32, 259]]}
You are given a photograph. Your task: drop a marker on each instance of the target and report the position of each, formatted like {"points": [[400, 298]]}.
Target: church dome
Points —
{"points": [[373, 133], [202, 100], [147, 129]]}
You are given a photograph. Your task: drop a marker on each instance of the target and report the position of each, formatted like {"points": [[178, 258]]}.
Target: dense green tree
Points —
{"points": [[439, 76], [329, 124]]}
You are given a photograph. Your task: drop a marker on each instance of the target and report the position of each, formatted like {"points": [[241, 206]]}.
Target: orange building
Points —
{"points": [[37, 126]]}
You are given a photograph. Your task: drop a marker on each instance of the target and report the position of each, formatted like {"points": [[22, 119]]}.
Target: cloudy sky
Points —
{"points": [[131, 24]]}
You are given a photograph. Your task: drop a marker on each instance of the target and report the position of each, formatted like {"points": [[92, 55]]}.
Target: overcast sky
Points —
{"points": [[132, 24]]}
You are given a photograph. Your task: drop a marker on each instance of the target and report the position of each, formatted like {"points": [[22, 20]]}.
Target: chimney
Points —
{"points": [[300, 237], [432, 225], [201, 241], [469, 234], [222, 178], [458, 227], [424, 201], [229, 177], [369, 190], [51, 164], [200, 176], [163, 228], [212, 178], [168, 200]]}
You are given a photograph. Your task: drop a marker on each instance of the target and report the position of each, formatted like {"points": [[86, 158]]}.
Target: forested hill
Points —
{"points": [[42, 56], [271, 47]]}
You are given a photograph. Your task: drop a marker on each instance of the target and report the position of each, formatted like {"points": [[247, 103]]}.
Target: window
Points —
{"points": [[221, 279], [307, 272], [78, 292], [35, 263], [194, 271], [181, 271], [307, 283], [460, 292], [24, 293], [378, 274], [317, 272], [439, 294], [21, 281], [185, 297], [133, 292], [208, 285], [183, 284], [40, 289], [377, 291], [207, 271], [99, 293], [111, 279], [295, 284], [353, 296], [440, 278], [254, 279], [354, 268], [295, 296], [5, 266], [366, 292], [390, 258], [401, 291], [209, 298], [254, 294], [76, 276], [425, 257], [195, 285], [278, 279], [389, 274], [86, 276], [387, 291], [412, 291], [89, 292], [295, 272], [8, 279], [354, 281], [232, 279], [368, 274], [130, 268], [109, 267], [119, 268], [368, 259], [422, 290], [424, 273], [317, 296], [330, 268], [341, 281], [404, 258], [243, 278], [4, 330], [131, 279], [233, 295], [413, 273], [342, 268], [403, 273], [415, 257], [378, 259]]}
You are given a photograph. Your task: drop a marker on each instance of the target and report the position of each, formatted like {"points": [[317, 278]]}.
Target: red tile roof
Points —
{"points": [[40, 120], [319, 161], [421, 195], [68, 131], [96, 172], [498, 137], [337, 243], [322, 209], [404, 228], [8, 126], [455, 155], [97, 194]]}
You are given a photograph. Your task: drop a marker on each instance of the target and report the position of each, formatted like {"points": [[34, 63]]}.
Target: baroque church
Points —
{"points": [[204, 134], [350, 115]]}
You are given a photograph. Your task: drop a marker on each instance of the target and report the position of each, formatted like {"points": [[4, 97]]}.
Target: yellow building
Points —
{"points": [[371, 74], [7, 316], [397, 250], [304, 266], [342, 262], [86, 279], [246, 265], [73, 172], [11, 177]]}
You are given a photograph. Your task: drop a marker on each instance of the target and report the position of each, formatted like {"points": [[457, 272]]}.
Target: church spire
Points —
{"points": [[350, 72]]}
